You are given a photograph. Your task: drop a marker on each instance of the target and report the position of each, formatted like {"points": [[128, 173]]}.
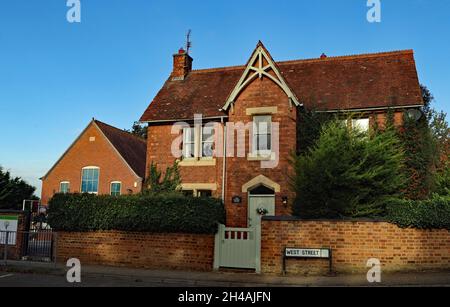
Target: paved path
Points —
{"points": [[26, 275]]}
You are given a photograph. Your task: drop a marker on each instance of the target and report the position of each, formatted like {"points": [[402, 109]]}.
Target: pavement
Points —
{"points": [[30, 274]]}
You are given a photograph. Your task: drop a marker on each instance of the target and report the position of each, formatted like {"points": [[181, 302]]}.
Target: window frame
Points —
{"points": [[365, 128], [120, 188], [188, 192], [197, 193], [255, 136], [202, 141], [98, 178], [197, 142], [68, 187], [191, 142]]}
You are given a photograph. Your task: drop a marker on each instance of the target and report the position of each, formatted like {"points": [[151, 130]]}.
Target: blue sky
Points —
{"points": [[55, 76]]}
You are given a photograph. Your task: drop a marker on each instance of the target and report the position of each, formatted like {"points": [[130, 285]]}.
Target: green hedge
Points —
{"points": [[141, 213], [432, 213]]}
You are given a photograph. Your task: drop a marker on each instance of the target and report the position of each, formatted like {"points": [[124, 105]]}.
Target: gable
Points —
{"points": [[260, 65], [95, 135]]}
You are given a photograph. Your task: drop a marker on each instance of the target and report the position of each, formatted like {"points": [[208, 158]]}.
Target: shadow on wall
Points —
{"points": [[139, 250], [353, 243]]}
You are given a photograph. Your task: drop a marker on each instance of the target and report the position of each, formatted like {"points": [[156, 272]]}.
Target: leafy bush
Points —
{"points": [[432, 213], [420, 157], [347, 173], [156, 183], [442, 180], [169, 213], [309, 126]]}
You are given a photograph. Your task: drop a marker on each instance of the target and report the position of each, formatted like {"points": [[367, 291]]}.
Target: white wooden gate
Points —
{"points": [[238, 248]]}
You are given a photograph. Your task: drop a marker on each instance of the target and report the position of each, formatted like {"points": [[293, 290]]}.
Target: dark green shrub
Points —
{"points": [[347, 173], [309, 126], [442, 180], [432, 213], [13, 190], [162, 213]]}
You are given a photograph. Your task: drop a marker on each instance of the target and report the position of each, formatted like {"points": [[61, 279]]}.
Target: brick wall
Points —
{"points": [[159, 144], [353, 243], [86, 153], [140, 250]]}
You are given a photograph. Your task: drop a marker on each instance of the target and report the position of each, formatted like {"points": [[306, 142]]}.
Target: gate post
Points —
{"points": [[5, 255], [258, 248], [55, 247], [217, 244]]}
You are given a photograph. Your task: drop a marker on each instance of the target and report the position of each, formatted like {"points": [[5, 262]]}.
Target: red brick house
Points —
{"points": [[264, 96], [102, 160]]}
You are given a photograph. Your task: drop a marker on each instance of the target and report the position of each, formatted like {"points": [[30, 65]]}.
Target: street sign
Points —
{"points": [[307, 253], [8, 223]]}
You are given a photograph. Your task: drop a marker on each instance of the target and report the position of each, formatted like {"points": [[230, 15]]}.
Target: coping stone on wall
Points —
{"points": [[297, 219]]}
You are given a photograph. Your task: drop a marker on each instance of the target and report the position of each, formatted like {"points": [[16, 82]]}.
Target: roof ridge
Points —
{"points": [[349, 57], [311, 60], [121, 130], [224, 68]]}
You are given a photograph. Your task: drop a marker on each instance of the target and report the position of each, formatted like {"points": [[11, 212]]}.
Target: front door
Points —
{"points": [[259, 203]]}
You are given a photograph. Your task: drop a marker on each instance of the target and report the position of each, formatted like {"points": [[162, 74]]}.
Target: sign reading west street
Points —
{"points": [[307, 253]]}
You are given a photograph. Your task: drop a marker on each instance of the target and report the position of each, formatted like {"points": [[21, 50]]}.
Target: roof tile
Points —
{"points": [[348, 82], [130, 147]]}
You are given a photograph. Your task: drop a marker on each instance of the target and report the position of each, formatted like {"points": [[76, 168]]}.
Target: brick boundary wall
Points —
{"points": [[15, 252], [353, 243], [191, 252]]}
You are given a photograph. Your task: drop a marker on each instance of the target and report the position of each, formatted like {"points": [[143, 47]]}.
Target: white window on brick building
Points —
{"points": [[262, 135], [189, 143], [207, 142], [64, 187], [198, 142], [89, 179], [116, 188], [361, 124]]}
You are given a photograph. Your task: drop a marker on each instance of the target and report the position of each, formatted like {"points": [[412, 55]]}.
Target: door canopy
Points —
{"points": [[258, 181]]}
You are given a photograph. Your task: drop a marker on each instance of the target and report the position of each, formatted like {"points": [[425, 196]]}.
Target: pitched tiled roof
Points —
{"points": [[349, 82], [129, 146]]}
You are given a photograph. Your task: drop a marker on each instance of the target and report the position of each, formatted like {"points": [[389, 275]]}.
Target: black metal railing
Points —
{"points": [[34, 245]]}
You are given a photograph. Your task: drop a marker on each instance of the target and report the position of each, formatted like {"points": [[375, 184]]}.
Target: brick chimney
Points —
{"points": [[182, 65]]}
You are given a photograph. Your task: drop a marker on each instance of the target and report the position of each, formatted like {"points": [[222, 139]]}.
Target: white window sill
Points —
{"points": [[261, 157]]}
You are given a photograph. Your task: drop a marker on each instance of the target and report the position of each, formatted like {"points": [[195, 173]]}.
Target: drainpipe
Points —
{"points": [[224, 158]]}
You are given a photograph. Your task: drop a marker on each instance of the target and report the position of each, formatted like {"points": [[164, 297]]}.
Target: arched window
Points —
{"points": [[89, 179], [64, 187], [116, 188]]}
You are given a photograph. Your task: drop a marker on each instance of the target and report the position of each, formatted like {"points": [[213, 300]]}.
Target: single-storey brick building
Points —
{"points": [[102, 160]]}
